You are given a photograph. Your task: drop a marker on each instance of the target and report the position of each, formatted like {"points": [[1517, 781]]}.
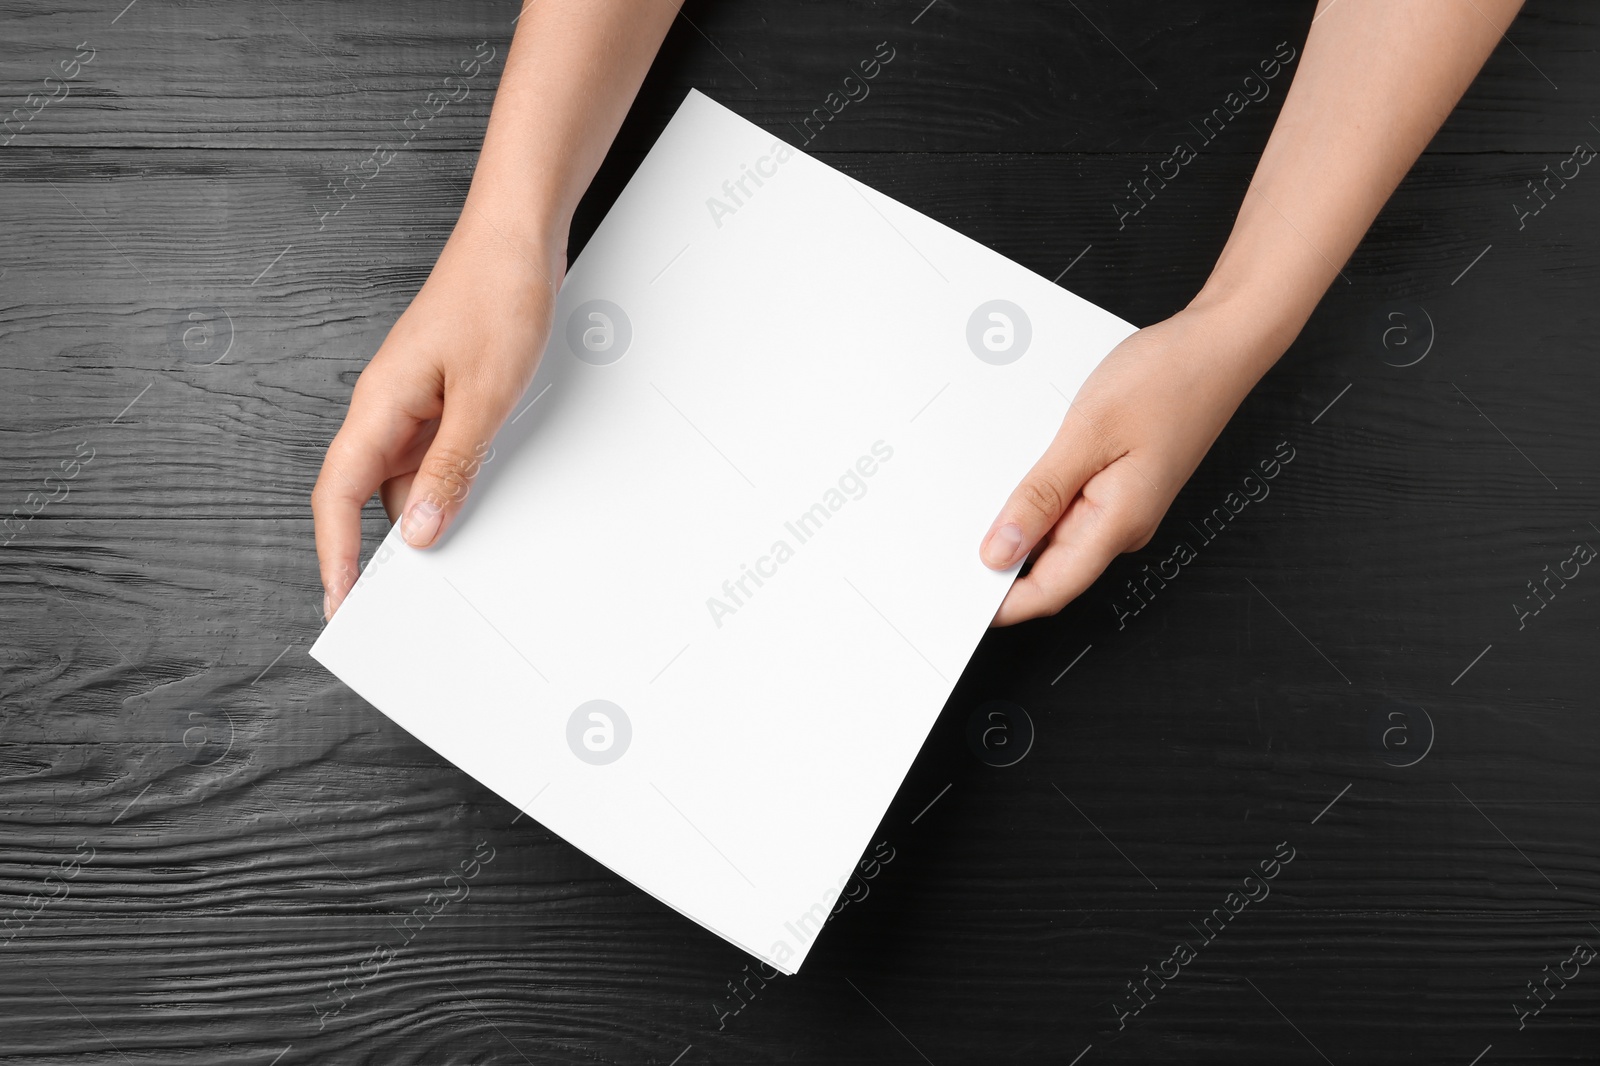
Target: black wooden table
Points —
{"points": [[1329, 794]]}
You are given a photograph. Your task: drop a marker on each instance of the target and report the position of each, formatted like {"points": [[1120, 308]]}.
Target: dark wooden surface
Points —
{"points": [[257, 831]]}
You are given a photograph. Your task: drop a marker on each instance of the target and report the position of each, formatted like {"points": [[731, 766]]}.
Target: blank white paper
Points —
{"points": [[720, 573]]}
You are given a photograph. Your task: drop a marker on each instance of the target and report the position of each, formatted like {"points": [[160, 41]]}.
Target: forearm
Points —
{"points": [[1376, 81], [569, 79]]}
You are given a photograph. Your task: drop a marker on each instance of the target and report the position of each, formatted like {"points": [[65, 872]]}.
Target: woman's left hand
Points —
{"points": [[1134, 434]]}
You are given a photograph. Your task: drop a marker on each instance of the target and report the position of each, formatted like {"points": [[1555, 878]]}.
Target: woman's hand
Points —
{"points": [[427, 406], [1352, 124], [1136, 431]]}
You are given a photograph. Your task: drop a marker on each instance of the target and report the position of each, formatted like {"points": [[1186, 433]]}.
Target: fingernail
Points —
{"points": [[327, 606], [1003, 546], [421, 523]]}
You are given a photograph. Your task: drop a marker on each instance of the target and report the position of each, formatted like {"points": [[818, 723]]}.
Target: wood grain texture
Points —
{"points": [[257, 831], [340, 74], [96, 313]]}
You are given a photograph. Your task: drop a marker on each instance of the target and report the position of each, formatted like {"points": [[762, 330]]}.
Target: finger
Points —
{"points": [[1076, 454], [471, 418], [356, 464], [1101, 523], [376, 441]]}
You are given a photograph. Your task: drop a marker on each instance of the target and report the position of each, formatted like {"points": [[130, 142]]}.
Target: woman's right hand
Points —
{"points": [[429, 403]]}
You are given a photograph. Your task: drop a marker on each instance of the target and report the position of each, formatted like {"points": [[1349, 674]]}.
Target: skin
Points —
{"points": [[1360, 110], [1366, 99], [426, 408]]}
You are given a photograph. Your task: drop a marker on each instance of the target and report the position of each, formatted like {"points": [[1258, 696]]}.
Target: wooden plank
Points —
{"points": [[258, 831], [161, 701], [995, 77], [242, 989], [98, 305]]}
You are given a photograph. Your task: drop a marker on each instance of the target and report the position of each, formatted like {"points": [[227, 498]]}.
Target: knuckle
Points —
{"points": [[1134, 526], [344, 449], [1136, 520], [1116, 519], [448, 472], [1139, 536], [324, 493], [1047, 602], [1053, 604], [338, 575], [1042, 495]]}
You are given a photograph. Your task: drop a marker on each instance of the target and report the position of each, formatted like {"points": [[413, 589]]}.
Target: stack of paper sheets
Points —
{"points": [[720, 572]]}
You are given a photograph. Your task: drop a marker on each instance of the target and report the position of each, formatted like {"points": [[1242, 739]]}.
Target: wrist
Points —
{"points": [[1260, 317], [520, 216], [524, 240], [1268, 280], [1243, 332]]}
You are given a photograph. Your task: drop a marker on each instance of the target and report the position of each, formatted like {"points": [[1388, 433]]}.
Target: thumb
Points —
{"points": [[445, 475], [1074, 456]]}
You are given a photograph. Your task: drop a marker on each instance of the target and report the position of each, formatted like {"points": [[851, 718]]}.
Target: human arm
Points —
{"points": [[429, 402], [1374, 84]]}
